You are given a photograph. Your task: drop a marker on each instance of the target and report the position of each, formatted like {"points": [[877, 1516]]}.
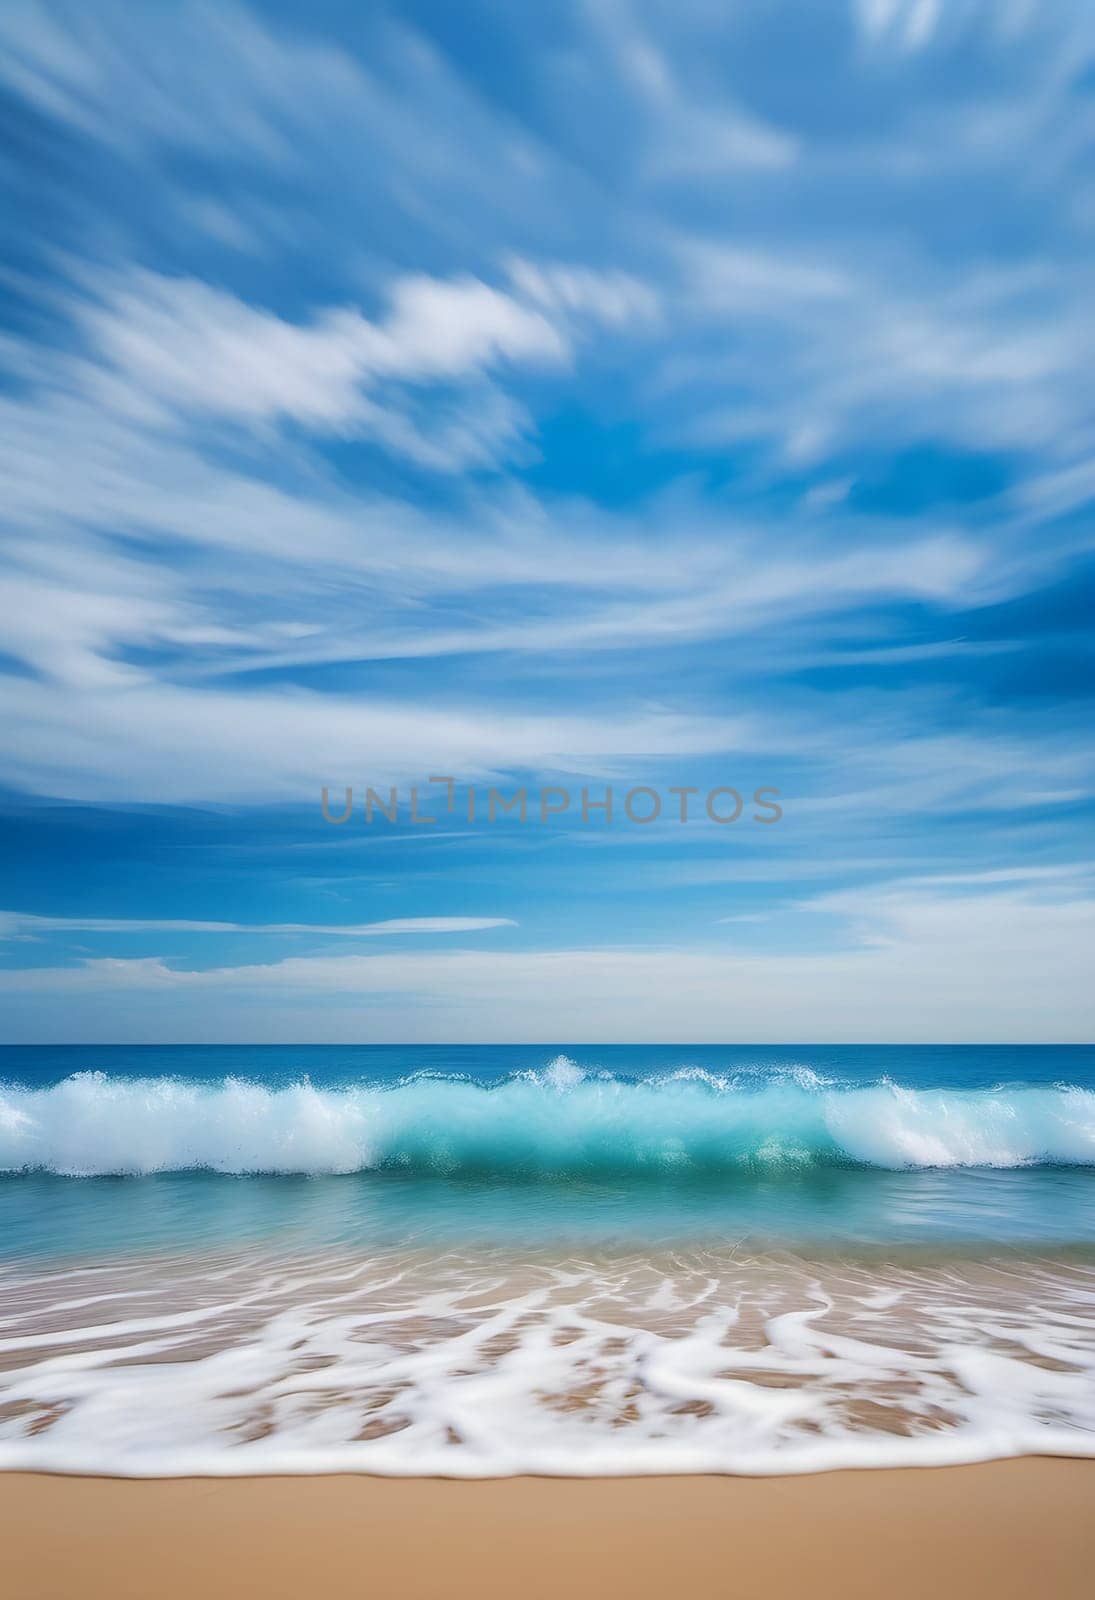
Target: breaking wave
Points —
{"points": [[561, 1122]]}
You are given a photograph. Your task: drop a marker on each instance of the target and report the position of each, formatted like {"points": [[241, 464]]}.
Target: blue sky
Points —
{"points": [[589, 393]]}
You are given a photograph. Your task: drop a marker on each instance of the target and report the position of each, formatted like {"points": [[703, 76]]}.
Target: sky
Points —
{"points": [[582, 395]]}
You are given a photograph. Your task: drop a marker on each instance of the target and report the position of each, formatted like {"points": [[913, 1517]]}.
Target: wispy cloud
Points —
{"points": [[159, 342], [648, 392], [921, 967], [20, 924]]}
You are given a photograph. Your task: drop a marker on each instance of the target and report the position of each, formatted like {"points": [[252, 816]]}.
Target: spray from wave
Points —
{"points": [[560, 1122]]}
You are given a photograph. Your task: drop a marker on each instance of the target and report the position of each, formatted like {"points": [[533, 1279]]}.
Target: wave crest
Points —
{"points": [[561, 1122]]}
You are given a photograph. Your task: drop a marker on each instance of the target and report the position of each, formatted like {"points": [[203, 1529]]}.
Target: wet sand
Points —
{"points": [[1003, 1529]]}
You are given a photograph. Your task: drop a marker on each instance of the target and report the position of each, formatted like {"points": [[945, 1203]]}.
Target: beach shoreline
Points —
{"points": [[1005, 1528], [487, 1362]]}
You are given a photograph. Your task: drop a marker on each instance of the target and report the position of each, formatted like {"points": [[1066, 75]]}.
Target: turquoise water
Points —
{"points": [[105, 1150], [499, 1260]]}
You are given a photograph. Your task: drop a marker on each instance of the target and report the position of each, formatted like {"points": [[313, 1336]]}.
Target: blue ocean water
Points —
{"points": [[479, 1261], [110, 1149]]}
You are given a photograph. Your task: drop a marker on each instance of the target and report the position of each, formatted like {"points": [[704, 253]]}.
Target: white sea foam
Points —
{"points": [[559, 1121], [479, 1364]]}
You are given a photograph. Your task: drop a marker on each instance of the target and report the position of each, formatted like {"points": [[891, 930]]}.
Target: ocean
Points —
{"points": [[583, 1259]]}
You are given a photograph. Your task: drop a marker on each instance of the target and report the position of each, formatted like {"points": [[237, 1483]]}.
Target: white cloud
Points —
{"points": [[172, 552], [158, 354], [610, 297], [201, 76], [1007, 966], [685, 136], [730, 279], [156, 742], [19, 924], [186, 344], [909, 24], [125, 642], [831, 356], [126, 647]]}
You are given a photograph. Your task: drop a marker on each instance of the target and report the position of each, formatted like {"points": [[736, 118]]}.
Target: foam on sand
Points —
{"points": [[480, 1363]]}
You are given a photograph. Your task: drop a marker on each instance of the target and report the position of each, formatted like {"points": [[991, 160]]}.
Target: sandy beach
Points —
{"points": [[1011, 1528]]}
